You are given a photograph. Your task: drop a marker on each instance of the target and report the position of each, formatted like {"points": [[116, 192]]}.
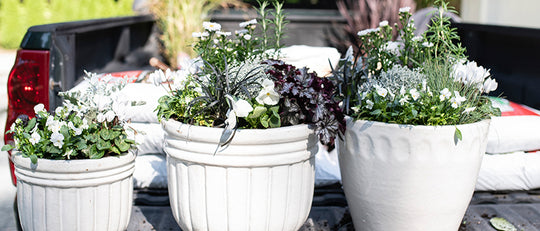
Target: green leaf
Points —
{"points": [[457, 134], [103, 145], [275, 121], [115, 150], [33, 158], [376, 112], [7, 147], [502, 224], [257, 112], [105, 134], [31, 124], [122, 146], [264, 121]]}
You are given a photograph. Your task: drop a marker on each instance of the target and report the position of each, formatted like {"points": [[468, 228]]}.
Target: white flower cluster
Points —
{"points": [[471, 74], [368, 31]]}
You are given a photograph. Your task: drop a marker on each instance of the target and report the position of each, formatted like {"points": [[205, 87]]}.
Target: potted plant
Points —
{"points": [[241, 131], [74, 167], [417, 127]]}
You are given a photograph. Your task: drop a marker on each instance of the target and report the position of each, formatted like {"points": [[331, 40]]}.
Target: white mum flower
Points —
{"points": [[414, 94], [57, 139], [383, 23], [39, 108], [241, 32], [223, 33], [404, 9], [35, 138], [248, 23], [417, 38], [268, 95], [427, 44], [392, 47], [367, 31], [211, 26], [247, 36], [445, 94], [196, 34]]}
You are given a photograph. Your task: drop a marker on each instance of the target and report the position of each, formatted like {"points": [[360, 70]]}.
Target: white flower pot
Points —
{"points": [[403, 177], [90, 194], [262, 180]]}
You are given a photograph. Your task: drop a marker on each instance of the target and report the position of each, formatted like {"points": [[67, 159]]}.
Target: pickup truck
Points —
{"points": [[52, 58]]}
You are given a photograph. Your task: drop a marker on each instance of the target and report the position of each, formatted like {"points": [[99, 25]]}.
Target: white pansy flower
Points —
{"points": [[445, 94], [414, 94], [211, 26], [381, 91], [457, 99], [383, 23], [35, 138], [39, 108], [248, 23], [404, 100], [268, 95], [76, 131], [57, 139], [490, 85], [240, 108], [54, 125], [369, 104], [404, 9]]}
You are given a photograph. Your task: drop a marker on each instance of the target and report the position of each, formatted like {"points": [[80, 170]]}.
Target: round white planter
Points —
{"points": [[403, 177], [262, 180], [90, 194]]}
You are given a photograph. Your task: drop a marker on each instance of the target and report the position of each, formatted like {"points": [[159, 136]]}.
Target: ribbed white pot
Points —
{"points": [[403, 177], [70, 195], [262, 180]]}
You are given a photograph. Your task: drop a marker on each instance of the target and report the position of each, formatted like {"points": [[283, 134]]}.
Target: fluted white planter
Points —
{"points": [[73, 195], [262, 180], [403, 177]]}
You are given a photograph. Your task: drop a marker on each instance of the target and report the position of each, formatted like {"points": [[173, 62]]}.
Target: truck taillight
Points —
{"points": [[28, 85]]}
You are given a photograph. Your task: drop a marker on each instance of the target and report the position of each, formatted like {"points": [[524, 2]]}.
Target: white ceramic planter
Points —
{"points": [[263, 180], [73, 195], [402, 177]]}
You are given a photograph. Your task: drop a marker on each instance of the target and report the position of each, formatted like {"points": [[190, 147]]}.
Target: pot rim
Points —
{"points": [[352, 121], [73, 166]]}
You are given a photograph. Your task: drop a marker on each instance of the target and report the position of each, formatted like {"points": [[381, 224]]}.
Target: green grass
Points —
{"points": [[17, 16]]}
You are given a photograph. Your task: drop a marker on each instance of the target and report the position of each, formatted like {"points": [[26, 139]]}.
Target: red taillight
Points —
{"points": [[28, 85]]}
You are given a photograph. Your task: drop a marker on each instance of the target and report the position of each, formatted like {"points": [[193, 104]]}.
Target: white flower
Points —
{"points": [[76, 130], [427, 44], [424, 85], [417, 38], [39, 108], [268, 95], [349, 55], [35, 137], [414, 94], [404, 9], [369, 104], [53, 125], [402, 91], [157, 77], [404, 100], [381, 91], [224, 33], [58, 110], [240, 108], [383, 23], [196, 34], [216, 41], [367, 31], [100, 117], [84, 125], [392, 47], [489, 85], [109, 116], [470, 73], [247, 36], [57, 139], [102, 101], [445, 94], [241, 32], [469, 110], [68, 154], [248, 23], [211, 26], [457, 100]]}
